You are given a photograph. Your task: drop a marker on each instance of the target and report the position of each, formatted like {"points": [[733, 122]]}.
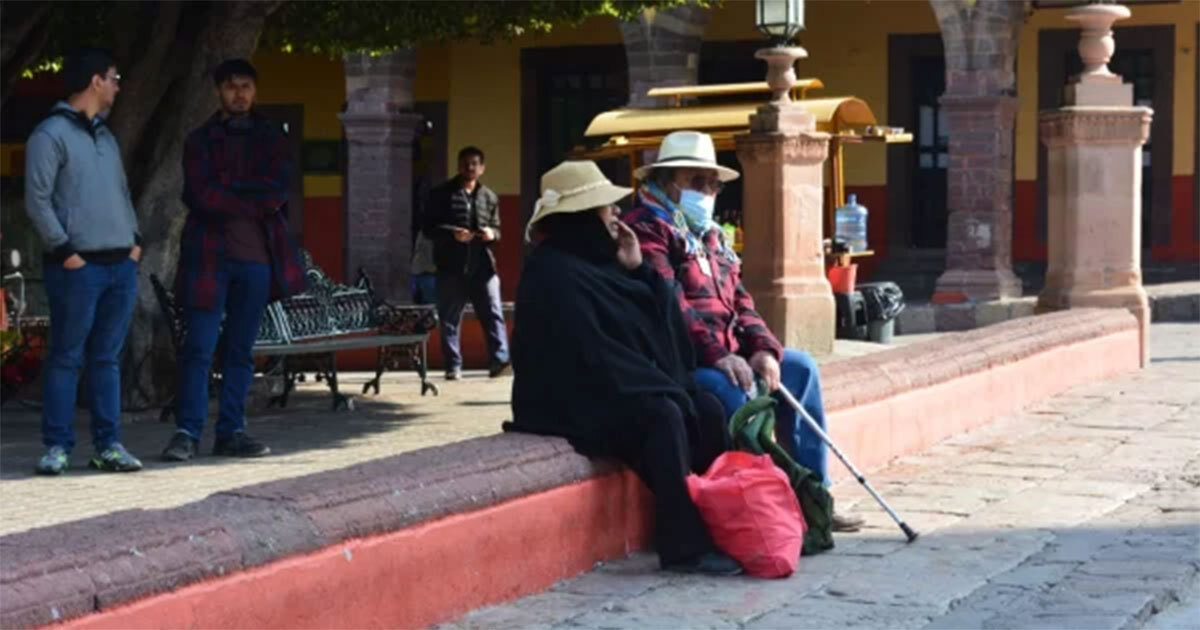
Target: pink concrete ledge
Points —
{"points": [[423, 537]]}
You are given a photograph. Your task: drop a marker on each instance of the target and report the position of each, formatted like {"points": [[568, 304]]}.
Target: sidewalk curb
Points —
{"points": [[422, 537]]}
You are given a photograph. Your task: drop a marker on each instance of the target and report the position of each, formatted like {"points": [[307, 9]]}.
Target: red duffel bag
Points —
{"points": [[752, 513]]}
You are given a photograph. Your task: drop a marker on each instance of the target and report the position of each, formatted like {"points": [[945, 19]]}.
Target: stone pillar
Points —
{"points": [[1094, 168], [980, 38], [783, 160], [380, 129], [662, 47]]}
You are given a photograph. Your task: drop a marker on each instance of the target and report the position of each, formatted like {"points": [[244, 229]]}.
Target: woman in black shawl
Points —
{"points": [[601, 357]]}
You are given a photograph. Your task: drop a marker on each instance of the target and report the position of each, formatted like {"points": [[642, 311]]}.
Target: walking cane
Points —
{"points": [[812, 424]]}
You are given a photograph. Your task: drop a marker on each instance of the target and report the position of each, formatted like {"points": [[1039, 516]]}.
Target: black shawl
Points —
{"points": [[590, 339]]}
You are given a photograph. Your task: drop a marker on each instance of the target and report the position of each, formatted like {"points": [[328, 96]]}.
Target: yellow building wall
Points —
{"points": [[847, 44], [1183, 15], [317, 82], [484, 80]]}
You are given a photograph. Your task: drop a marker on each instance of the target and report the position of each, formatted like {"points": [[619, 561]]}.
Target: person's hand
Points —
{"points": [[463, 235], [74, 262], [766, 366], [135, 254], [629, 252], [487, 234], [738, 371]]}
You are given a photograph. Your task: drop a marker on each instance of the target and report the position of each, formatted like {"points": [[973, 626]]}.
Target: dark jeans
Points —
{"points": [[242, 292], [663, 447], [424, 288], [90, 311], [453, 293]]}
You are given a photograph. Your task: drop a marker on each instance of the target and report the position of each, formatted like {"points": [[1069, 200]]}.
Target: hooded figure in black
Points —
{"points": [[601, 357]]}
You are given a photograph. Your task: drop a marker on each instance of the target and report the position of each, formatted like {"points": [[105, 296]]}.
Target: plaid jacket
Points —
{"points": [[717, 309], [223, 179]]}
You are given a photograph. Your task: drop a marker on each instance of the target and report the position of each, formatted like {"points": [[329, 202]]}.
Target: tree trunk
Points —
{"points": [[169, 94]]}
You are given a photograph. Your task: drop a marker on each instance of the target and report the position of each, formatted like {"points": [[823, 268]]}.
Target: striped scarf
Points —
{"points": [[657, 201]]}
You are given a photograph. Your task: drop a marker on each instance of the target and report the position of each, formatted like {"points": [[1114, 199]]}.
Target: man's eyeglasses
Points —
{"points": [[113, 78]]}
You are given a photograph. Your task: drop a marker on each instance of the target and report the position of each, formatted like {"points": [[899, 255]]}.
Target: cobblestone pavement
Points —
{"points": [[305, 438], [1081, 512]]}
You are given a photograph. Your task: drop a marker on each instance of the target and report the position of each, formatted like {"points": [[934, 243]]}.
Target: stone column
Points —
{"points": [[783, 267], [1094, 168], [380, 129], [980, 40], [662, 47]]}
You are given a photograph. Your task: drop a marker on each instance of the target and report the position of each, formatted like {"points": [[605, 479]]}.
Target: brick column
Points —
{"points": [[662, 47], [979, 200], [380, 128], [980, 40]]}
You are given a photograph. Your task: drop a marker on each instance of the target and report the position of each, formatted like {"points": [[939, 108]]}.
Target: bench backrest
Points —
{"points": [[326, 309]]}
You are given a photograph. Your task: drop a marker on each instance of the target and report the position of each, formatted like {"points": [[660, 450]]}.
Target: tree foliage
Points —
{"points": [[380, 25]]}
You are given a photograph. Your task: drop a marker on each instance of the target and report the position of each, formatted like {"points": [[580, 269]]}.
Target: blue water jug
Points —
{"points": [[851, 225]]}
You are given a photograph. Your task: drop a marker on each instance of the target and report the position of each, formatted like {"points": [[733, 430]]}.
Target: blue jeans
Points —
{"points": [[453, 293], [799, 374], [90, 311], [424, 288], [242, 292]]}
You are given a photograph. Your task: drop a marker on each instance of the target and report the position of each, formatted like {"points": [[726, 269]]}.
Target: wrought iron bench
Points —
{"points": [[305, 332]]}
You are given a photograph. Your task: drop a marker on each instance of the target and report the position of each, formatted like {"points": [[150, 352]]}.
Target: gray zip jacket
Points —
{"points": [[75, 188]]}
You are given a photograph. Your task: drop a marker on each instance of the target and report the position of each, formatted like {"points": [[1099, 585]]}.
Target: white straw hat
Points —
{"points": [[688, 149], [574, 186]]}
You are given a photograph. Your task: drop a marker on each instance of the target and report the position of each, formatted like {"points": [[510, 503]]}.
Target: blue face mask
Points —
{"points": [[697, 209]]}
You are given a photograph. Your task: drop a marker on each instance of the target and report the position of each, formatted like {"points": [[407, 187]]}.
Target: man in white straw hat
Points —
{"points": [[601, 357], [673, 220]]}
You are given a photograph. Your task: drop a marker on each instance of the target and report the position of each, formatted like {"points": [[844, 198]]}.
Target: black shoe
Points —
{"points": [[708, 563], [240, 445], [180, 449], [500, 369]]}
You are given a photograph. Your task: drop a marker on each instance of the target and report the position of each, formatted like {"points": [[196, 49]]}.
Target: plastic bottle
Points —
{"points": [[851, 228]]}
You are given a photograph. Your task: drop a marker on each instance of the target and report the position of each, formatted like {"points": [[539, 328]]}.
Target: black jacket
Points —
{"points": [[590, 341], [450, 205]]}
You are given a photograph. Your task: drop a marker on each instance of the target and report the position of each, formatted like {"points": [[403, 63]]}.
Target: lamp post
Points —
{"points": [[782, 160], [780, 21]]}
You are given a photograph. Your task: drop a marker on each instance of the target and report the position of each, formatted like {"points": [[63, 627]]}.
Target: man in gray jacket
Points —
{"points": [[78, 199]]}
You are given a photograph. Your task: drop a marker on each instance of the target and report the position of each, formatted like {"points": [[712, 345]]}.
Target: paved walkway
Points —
{"points": [[305, 438], [1082, 512]]}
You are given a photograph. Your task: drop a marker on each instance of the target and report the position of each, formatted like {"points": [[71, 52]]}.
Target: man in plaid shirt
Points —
{"points": [[235, 255], [673, 220]]}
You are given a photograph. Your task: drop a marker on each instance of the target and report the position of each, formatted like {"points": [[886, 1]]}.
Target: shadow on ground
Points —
{"points": [[307, 423]]}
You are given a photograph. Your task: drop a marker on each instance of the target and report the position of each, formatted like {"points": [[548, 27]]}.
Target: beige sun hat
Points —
{"points": [[574, 186], [688, 149]]}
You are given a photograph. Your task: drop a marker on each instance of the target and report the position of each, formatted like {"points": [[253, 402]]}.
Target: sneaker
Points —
{"points": [[115, 459], [500, 369], [181, 448], [708, 563], [240, 445], [844, 524], [54, 462], [454, 375]]}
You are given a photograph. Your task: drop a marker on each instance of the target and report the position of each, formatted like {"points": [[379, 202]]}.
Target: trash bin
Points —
{"points": [[852, 320], [883, 302]]}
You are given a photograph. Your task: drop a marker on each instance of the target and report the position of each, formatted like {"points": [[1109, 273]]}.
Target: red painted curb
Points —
{"points": [[416, 576], [435, 570]]}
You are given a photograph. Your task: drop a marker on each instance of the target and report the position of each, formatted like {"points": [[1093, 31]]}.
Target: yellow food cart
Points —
{"points": [[631, 132]]}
